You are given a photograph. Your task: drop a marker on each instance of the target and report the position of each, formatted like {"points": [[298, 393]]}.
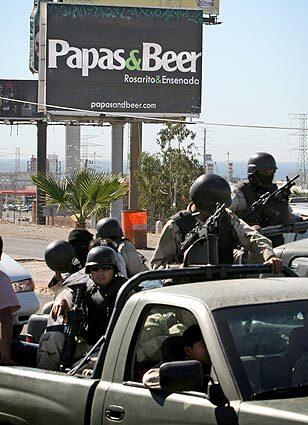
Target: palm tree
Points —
{"points": [[85, 193]]}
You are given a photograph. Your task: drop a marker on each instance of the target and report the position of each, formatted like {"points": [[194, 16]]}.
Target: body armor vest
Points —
{"points": [[276, 212], [186, 222], [99, 303]]}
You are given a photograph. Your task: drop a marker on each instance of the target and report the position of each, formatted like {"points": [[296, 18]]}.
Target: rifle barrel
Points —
{"points": [[285, 228]]}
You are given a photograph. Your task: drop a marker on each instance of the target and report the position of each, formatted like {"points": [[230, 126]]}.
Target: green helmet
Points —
{"points": [[261, 161], [261, 169], [208, 190], [59, 256], [102, 256], [108, 228]]}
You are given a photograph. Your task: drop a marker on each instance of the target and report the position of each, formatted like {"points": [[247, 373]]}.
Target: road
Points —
{"points": [[34, 248], [24, 248]]}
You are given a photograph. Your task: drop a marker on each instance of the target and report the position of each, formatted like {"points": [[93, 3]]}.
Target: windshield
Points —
{"points": [[267, 345]]}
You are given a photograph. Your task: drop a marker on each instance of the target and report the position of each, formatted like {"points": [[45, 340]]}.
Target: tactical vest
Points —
{"points": [[99, 303], [226, 241], [276, 212]]}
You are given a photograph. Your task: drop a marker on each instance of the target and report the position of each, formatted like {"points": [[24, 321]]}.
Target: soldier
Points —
{"points": [[80, 239], [109, 228], [60, 257], [193, 348], [103, 283], [261, 169], [206, 191], [8, 305]]}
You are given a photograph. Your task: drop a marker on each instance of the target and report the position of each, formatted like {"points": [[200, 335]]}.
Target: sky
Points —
{"points": [[255, 72]]}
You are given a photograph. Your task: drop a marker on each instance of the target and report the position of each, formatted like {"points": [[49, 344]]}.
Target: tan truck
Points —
{"points": [[256, 333]]}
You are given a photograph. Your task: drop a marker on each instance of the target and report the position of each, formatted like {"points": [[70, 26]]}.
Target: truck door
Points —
{"points": [[36, 397], [128, 400]]}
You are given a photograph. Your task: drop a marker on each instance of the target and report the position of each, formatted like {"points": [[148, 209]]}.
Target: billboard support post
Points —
{"points": [[135, 151], [41, 168], [117, 164]]}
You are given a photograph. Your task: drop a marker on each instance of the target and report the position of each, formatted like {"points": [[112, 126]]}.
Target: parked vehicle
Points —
{"points": [[254, 330], [24, 287]]}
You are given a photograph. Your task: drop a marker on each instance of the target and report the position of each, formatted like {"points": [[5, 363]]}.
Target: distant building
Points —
{"points": [[53, 166]]}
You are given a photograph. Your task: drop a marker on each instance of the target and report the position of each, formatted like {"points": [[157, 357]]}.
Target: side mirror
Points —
{"points": [[181, 376], [300, 266]]}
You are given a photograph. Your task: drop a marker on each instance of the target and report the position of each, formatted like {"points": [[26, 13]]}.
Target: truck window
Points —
{"points": [[157, 339]]}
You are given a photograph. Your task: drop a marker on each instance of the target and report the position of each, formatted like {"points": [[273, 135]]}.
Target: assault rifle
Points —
{"points": [[75, 318], [208, 233], [266, 198], [297, 227]]}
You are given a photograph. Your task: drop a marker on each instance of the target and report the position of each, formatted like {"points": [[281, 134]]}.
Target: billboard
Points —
{"points": [[208, 6], [120, 59], [21, 90], [34, 37]]}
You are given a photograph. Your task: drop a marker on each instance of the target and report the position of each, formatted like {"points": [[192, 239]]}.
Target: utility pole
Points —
{"points": [[302, 160], [135, 152], [229, 169], [204, 149], [41, 167], [16, 172]]}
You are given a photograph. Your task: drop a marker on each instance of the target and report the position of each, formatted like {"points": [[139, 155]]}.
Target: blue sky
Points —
{"points": [[255, 72]]}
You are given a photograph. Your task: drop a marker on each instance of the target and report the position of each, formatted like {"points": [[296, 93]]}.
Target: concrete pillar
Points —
{"points": [[117, 164], [72, 148], [41, 167], [135, 151]]}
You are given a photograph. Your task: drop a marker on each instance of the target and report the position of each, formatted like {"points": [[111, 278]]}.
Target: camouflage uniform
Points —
{"points": [[133, 259], [167, 251], [239, 204]]}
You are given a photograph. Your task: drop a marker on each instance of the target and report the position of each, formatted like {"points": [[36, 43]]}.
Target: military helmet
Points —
{"points": [[261, 161], [108, 228], [102, 256], [59, 256], [208, 190]]}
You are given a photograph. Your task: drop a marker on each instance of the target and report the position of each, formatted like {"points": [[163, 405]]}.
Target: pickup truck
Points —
{"points": [[255, 327]]}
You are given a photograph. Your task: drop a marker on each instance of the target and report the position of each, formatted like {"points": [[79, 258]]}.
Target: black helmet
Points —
{"points": [[108, 228], [102, 256], [261, 161], [208, 190], [59, 256]]}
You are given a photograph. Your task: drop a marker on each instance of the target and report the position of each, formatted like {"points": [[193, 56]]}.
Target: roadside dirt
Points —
{"points": [[38, 269]]}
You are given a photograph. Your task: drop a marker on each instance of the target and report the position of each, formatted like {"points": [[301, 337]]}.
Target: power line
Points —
{"points": [[159, 120]]}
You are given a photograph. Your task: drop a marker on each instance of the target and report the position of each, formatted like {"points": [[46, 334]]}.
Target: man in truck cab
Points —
{"points": [[206, 192], [103, 283], [193, 348]]}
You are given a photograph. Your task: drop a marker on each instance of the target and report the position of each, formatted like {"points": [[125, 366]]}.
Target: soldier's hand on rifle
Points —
{"points": [[276, 264], [256, 227], [60, 309]]}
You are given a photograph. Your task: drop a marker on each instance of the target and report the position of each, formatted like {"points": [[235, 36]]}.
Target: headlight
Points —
{"points": [[26, 285]]}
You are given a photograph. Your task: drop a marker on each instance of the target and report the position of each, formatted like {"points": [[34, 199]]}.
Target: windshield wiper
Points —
{"points": [[282, 392]]}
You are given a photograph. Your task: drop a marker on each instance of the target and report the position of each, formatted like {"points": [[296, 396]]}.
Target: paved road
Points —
{"points": [[24, 248], [34, 248]]}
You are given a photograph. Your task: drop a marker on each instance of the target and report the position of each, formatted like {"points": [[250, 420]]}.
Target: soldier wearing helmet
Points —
{"points": [[60, 257], [109, 228], [206, 192], [261, 169], [103, 283]]}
